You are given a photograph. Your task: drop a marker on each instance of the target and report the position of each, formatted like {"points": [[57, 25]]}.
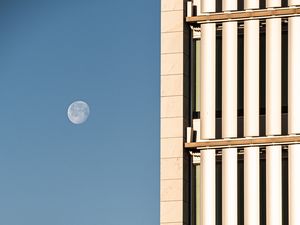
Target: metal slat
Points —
{"points": [[244, 15], [244, 142]]}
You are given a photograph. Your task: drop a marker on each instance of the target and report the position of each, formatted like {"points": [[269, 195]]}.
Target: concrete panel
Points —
{"points": [[171, 63], [171, 147], [171, 168], [171, 190], [172, 21], [171, 85], [171, 127], [173, 224], [174, 168], [174, 106], [172, 42], [171, 211], [171, 106], [167, 5]]}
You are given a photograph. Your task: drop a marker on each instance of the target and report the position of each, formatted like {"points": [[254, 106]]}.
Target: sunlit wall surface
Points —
{"points": [[236, 65]]}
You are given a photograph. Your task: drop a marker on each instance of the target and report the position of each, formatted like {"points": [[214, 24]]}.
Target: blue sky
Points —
{"points": [[102, 172]]}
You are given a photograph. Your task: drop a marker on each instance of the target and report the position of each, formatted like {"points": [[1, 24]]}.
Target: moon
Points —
{"points": [[78, 112]]}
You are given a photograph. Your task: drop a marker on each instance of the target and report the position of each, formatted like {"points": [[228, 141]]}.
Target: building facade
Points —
{"points": [[230, 114]]}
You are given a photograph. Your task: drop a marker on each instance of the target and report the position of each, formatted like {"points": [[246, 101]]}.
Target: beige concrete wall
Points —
{"points": [[174, 167]]}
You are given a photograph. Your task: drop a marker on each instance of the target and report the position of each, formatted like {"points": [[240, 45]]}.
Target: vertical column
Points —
{"points": [[273, 118], [251, 116], [229, 116], [294, 2], [208, 6], [294, 115], [207, 112]]}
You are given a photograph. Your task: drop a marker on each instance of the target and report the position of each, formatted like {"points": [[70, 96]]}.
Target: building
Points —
{"points": [[230, 114]]}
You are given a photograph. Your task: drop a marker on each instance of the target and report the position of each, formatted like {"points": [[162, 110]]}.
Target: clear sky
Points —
{"points": [[106, 170]]}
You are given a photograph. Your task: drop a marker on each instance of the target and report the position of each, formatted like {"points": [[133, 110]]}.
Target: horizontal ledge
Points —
{"points": [[244, 15], [244, 142]]}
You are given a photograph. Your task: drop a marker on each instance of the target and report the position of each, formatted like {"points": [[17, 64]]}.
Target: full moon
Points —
{"points": [[78, 112]]}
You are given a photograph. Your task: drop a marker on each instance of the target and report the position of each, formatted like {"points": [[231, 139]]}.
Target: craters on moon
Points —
{"points": [[78, 112]]}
